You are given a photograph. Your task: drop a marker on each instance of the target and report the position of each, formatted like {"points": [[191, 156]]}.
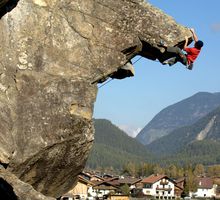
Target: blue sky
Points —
{"points": [[131, 103]]}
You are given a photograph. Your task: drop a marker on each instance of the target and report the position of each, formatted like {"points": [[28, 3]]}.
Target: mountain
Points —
{"points": [[113, 147], [183, 113], [196, 143], [199, 142]]}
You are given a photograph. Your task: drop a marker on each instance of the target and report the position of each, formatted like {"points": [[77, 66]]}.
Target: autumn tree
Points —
{"points": [[191, 182], [171, 171], [199, 170], [130, 169], [158, 170], [144, 169], [180, 172]]}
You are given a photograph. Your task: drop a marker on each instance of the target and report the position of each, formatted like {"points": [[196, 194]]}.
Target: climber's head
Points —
{"points": [[199, 44]]}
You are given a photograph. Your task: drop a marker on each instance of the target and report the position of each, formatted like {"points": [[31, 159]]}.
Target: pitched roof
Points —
{"points": [[180, 180], [105, 187], [129, 180], [114, 182], [109, 181], [84, 180], [83, 173], [153, 178], [179, 183], [205, 183]]}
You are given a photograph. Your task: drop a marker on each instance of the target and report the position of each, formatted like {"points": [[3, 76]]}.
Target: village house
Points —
{"points": [[179, 187], [103, 188], [216, 181], [86, 175], [96, 178], [92, 176], [91, 186], [158, 186], [205, 188], [80, 190], [131, 182], [106, 176]]}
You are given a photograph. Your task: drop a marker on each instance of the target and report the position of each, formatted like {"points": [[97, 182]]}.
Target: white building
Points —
{"points": [[206, 188], [79, 191], [102, 188], [158, 186]]}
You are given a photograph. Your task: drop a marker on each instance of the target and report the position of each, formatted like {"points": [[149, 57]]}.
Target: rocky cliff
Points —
{"points": [[52, 54]]}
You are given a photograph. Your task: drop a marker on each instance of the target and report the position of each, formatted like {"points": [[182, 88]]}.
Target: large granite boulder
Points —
{"points": [[52, 54], [12, 188], [6, 6]]}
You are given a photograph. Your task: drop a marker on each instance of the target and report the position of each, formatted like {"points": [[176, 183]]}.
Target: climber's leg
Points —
{"points": [[175, 50], [170, 61], [183, 59], [179, 56]]}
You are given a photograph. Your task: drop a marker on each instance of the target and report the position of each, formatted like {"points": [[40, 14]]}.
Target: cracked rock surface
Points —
{"points": [[52, 53]]}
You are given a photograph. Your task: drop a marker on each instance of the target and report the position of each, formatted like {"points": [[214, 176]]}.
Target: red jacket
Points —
{"points": [[192, 54]]}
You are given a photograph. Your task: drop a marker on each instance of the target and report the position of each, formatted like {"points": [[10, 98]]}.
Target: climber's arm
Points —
{"points": [[186, 42], [194, 35]]}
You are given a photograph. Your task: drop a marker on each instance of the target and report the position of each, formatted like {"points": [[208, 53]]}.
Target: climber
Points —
{"points": [[191, 53]]}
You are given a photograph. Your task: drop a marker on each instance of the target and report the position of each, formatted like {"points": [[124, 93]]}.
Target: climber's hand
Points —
{"points": [[192, 30]]}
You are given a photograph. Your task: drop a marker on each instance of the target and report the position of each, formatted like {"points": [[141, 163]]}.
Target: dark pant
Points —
{"points": [[178, 55]]}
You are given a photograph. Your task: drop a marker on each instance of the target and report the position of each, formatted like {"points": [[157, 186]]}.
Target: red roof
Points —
{"points": [[153, 178], [205, 183]]}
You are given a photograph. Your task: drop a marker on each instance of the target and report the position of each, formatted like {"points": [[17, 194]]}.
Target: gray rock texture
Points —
{"points": [[6, 6], [19, 189], [52, 53]]}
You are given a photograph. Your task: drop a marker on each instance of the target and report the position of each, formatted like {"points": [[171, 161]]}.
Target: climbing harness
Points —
{"points": [[113, 78]]}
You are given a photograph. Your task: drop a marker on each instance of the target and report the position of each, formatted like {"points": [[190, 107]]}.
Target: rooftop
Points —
{"points": [[153, 178]]}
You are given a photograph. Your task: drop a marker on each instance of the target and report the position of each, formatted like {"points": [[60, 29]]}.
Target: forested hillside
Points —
{"points": [[114, 148], [199, 142]]}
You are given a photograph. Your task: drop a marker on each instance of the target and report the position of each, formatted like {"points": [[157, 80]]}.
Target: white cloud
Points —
{"points": [[216, 27], [130, 130]]}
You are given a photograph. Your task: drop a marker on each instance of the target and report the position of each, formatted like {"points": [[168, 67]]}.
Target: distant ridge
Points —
{"points": [[183, 113], [197, 143]]}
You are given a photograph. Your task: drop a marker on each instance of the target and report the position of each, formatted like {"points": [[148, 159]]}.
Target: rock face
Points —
{"points": [[7, 6], [52, 53], [20, 190]]}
